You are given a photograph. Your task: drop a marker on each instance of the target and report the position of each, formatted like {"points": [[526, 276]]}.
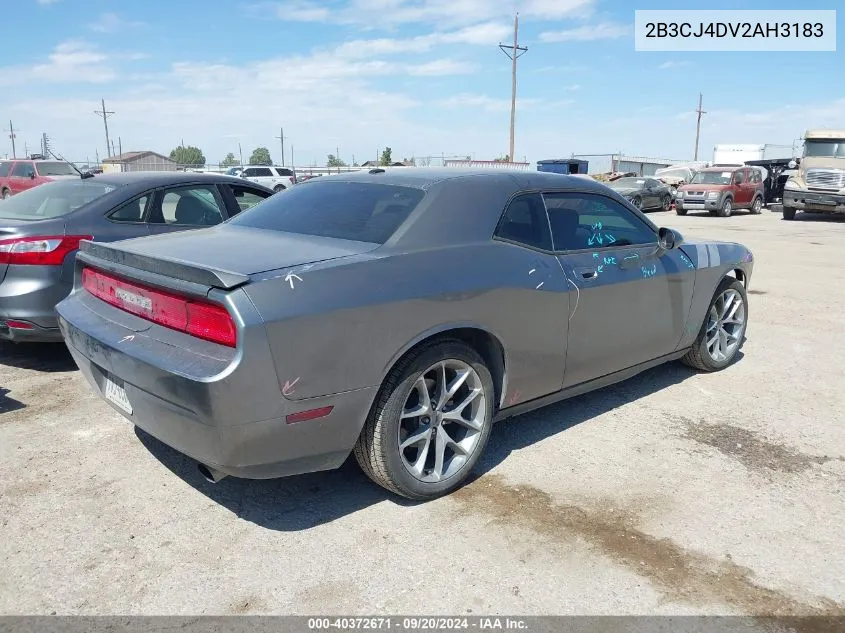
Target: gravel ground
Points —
{"points": [[671, 493]]}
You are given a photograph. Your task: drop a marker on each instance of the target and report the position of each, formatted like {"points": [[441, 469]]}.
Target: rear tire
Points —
{"points": [[637, 202], [757, 206], [666, 203], [726, 209], [411, 404], [789, 213], [720, 338], [5, 194], [278, 188]]}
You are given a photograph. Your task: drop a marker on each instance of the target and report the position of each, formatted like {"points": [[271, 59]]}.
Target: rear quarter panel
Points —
{"points": [[336, 327]]}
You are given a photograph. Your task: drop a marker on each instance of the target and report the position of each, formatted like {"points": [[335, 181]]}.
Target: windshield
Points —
{"points": [[828, 149], [672, 173], [632, 183], [52, 199], [363, 212], [233, 171], [712, 178], [55, 169]]}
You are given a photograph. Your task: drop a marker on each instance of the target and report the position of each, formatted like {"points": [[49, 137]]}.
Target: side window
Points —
{"points": [[585, 220], [197, 205], [652, 183], [284, 172], [739, 177], [132, 211], [247, 198], [525, 222], [263, 171], [23, 170]]}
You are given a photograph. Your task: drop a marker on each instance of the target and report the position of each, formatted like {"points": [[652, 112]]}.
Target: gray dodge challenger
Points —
{"points": [[395, 316]]}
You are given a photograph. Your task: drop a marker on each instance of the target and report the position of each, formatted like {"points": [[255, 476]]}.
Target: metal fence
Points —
{"points": [[640, 165]]}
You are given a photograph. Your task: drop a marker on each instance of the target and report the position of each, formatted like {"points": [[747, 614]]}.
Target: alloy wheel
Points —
{"points": [[442, 420], [725, 325]]}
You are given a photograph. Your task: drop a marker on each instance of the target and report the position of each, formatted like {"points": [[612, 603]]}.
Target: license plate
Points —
{"points": [[117, 394]]}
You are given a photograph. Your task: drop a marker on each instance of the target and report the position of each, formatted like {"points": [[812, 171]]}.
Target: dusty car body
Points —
{"points": [[720, 190], [393, 315], [819, 185], [644, 192]]}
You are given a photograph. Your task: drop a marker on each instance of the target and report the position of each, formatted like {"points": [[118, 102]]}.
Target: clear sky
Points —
{"points": [[423, 76]]}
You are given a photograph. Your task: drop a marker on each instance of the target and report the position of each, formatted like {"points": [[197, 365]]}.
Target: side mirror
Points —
{"points": [[669, 239]]}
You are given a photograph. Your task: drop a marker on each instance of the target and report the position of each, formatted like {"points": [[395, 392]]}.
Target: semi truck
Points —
{"points": [[818, 183]]}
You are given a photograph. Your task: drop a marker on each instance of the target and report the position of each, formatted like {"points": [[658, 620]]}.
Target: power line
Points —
{"points": [[516, 51], [105, 114], [698, 126]]}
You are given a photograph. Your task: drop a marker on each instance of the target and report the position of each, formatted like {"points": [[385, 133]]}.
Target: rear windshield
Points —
{"points": [[54, 169], [52, 200], [712, 178], [363, 212], [4, 168]]}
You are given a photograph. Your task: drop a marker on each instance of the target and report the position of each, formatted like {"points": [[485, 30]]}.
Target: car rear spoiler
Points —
{"points": [[90, 252]]}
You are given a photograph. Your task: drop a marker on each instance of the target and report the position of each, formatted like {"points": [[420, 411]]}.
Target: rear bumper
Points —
{"points": [[815, 202], [30, 294], [229, 414]]}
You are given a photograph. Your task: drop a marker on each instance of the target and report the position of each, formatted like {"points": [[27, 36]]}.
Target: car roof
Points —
{"points": [[425, 177], [155, 178]]}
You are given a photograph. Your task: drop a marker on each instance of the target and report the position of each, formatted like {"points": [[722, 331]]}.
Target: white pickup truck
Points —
{"points": [[276, 178]]}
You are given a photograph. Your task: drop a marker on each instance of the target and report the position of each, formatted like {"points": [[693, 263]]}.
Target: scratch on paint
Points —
{"points": [[531, 272], [577, 298], [540, 285], [290, 277], [288, 389], [686, 260], [130, 337], [514, 397]]}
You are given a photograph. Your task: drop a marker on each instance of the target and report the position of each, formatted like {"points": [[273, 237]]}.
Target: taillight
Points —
{"points": [[208, 321], [43, 251]]}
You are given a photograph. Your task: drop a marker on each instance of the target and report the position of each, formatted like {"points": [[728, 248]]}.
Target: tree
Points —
{"points": [[502, 159], [187, 155], [334, 161], [260, 156], [229, 161], [386, 156]]}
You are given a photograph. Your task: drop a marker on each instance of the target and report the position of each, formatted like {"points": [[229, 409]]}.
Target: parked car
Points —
{"points": [[395, 316], [40, 231], [20, 174], [276, 178], [675, 175], [644, 192], [720, 190]]}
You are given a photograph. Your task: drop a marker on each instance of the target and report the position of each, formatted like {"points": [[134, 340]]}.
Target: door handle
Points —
{"points": [[587, 273]]}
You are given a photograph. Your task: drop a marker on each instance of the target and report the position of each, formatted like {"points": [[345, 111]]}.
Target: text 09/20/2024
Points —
{"points": [[745, 30]]}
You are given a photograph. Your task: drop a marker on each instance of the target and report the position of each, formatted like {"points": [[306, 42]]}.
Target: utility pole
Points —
{"points": [[292, 164], [698, 126], [240, 151], [516, 51], [281, 137], [105, 114], [12, 131], [119, 147]]}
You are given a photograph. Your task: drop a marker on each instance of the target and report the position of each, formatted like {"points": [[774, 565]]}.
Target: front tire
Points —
{"points": [[789, 213], [726, 209], [637, 202], [723, 331], [680, 211], [666, 203], [430, 422]]}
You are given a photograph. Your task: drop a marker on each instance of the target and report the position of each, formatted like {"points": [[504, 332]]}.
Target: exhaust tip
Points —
{"points": [[211, 475]]}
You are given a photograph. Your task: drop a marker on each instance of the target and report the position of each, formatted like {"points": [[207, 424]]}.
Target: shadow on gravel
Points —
{"points": [[304, 501], [807, 216], [46, 357], [7, 404]]}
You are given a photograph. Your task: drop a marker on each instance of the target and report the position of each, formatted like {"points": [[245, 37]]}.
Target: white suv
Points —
{"points": [[276, 178]]}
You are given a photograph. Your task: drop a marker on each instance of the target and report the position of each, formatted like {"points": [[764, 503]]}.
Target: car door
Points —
{"points": [[21, 177], [185, 207], [742, 195], [653, 188], [632, 297], [127, 220]]}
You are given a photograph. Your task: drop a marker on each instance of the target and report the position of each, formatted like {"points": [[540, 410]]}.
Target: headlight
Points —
{"points": [[679, 194], [712, 195]]}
